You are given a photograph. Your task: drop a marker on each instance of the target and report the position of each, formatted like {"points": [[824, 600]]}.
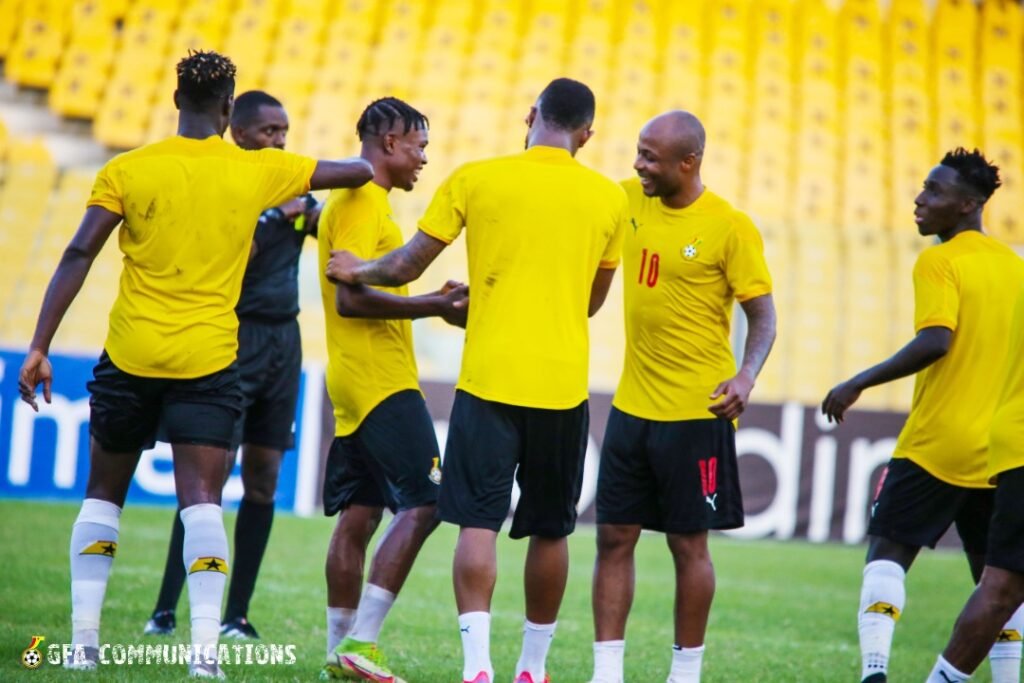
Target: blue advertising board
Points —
{"points": [[45, 455]]}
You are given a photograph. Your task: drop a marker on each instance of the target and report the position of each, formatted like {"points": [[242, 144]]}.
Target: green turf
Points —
{"points": [[783, 611]]}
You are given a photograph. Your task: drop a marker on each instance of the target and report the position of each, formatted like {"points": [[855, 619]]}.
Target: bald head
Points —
{"points": [[678, 133], [668, 156]]}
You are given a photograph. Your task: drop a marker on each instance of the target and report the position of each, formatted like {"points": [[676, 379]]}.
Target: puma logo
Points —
{"points": [[712, 501]]}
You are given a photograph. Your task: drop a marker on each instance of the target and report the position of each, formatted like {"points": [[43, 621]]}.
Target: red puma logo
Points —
{"points": [[709, 480]]}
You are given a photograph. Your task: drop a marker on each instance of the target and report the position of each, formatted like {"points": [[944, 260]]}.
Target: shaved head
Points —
{"points": [[679, 133], [668, 156]]}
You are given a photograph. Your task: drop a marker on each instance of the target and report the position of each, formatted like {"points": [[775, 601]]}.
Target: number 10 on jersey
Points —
{"points": [[648, 269]]}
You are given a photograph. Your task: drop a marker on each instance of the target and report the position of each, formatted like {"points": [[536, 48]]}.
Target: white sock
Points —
{"points": [[373, 607], [93, 547], [944, 672], [475, 629], [205, 552], [686, 663], [1005, 655], [536, 643], [882, 596], [339, 623], [608, 655]]}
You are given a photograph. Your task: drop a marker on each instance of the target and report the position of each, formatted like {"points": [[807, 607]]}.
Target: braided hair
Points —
{"points": [[205, 77], [975, 171], [381, 115]]}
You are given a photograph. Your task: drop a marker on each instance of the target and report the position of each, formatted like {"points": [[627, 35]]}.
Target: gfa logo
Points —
{"points": [[709, 481], [31, 657]]}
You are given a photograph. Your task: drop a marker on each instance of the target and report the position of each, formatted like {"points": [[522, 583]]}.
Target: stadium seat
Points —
{"points": [[954, 63], [33, 56]]}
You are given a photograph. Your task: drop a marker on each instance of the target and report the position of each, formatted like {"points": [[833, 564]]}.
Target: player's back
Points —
{"points": [[190, 208], [538, 226], [968, 284]]}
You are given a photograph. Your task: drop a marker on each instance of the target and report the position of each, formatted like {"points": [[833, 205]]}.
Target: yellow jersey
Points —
{"points": [[682, 269], [538, 226], [367, 360], [969, 285], [190, 209], [1006, 440]]}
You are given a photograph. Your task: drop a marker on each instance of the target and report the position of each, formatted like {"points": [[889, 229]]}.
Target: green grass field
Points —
{"points": [[783, 611]]}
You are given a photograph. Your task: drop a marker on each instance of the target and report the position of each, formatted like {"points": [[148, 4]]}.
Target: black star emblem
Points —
{"points": [[1003, 637], [109, 549], [889, 610], [213, 565]]}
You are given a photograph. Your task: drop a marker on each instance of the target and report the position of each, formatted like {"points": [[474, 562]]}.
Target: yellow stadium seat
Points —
{"points": [[82, 77], [33, 57], [11, 10]]}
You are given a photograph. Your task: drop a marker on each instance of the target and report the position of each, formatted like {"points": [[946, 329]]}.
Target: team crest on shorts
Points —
{"points": [[435, 471]]}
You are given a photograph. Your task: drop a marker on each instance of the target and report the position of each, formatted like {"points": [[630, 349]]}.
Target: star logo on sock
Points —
{"points": [[208, 564], [108, 548], [1009, 635], [884, 608]]}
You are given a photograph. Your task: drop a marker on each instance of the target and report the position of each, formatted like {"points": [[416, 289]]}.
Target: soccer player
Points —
{"points": [[543, 234], [385, 449], [668, 460], [1001, 588], [188, 208], [269, 366], [964, 291]]}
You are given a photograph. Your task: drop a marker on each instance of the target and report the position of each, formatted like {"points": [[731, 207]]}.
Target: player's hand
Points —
{"points": [[294, 208], [343, 266], [839, 400], [735, 393], [313, 219], [454, 303], [35, 370]]}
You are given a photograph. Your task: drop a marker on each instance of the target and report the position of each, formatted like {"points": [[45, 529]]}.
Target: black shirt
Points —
{"points": [[270, 290]]}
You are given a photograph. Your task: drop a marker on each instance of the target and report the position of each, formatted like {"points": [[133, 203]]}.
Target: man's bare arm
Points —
{"points": [[928, 346], [735, 392], [398, 267], [67, 280], [354, 172], [599, 289]]}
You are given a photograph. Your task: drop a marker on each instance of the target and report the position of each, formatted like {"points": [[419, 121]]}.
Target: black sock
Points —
{"points": [[174, 569], [252, 529]]}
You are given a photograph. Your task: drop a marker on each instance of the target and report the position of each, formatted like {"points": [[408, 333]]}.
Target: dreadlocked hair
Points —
{"points": [[975, 171], [205, 77], [382, 115]]}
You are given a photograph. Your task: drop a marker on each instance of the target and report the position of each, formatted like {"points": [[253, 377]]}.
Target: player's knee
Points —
{"points": [[261, 491], [615, 540], [689, 548], [423, 518], [1003, 589]]}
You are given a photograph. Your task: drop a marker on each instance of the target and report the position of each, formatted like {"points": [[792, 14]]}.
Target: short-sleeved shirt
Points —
{"points": [[682, 270], [270, 290], [968, 285], [367, 359], [190, 208], [538, 226], [1006, 441]]}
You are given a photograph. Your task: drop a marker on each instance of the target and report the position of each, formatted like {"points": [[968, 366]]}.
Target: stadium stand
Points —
{"points": [[822, 117]]}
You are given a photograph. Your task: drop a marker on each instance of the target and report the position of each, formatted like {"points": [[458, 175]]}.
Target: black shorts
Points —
{"points": [[915, 508], [1006, 532], [678, 477], [124, 410], [490, 444], [391, 460], [270, 365]]}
